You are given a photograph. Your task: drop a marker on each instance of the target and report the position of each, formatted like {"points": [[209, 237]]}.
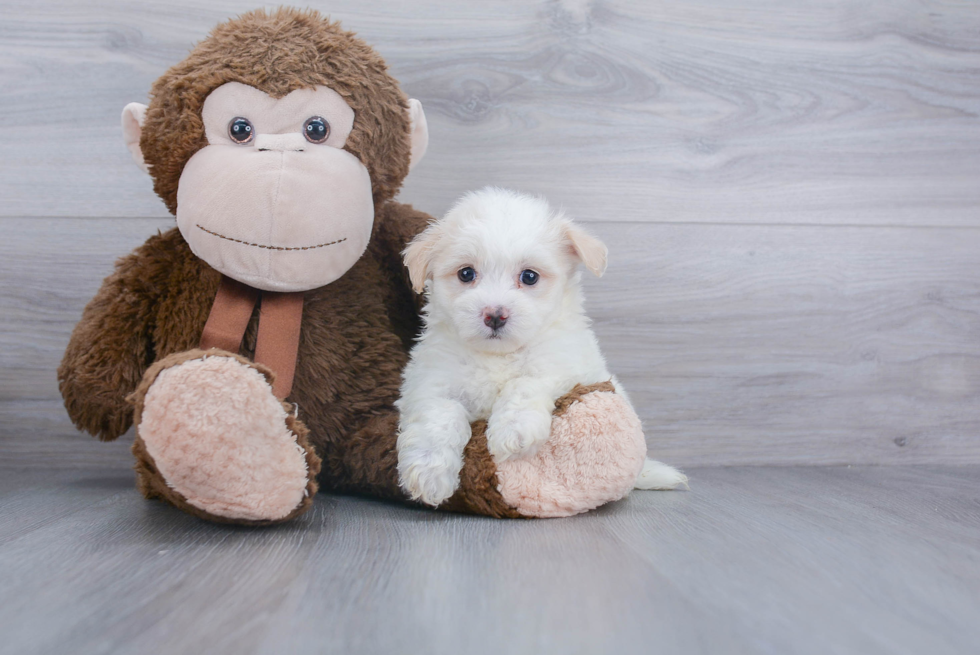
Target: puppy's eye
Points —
{"points": [[529, 277], [466, 274], [240, 130], [316, 129]]}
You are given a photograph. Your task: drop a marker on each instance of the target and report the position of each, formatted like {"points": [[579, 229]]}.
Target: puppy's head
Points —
{"points": [[501, 268]]}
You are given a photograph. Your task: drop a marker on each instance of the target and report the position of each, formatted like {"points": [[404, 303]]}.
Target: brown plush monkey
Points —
{"points": [[258, 345]]}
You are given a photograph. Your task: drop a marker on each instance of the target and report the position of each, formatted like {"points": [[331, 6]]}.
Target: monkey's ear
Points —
{"points": [[592, 252], [420, 131], [133, 116], [418, 255]]}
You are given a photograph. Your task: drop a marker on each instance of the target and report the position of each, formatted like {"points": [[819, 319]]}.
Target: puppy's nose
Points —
{"points": [[495, 319]]}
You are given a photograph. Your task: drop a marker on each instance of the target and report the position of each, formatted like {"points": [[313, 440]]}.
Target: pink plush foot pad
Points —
{"points": [[594, 455], [218, 437]]}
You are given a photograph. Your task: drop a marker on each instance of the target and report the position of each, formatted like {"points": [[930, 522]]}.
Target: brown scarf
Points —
{"points": [[277, 343]]}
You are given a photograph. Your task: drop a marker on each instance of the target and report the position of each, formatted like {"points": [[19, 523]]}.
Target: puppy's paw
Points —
{"points": [[518, 432], [429, 475]]}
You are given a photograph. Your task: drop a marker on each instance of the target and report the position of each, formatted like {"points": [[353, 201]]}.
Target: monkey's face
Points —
{"points": [[272, 141], [274, 200]]}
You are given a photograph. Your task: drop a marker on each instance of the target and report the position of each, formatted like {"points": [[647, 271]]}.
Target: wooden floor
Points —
{"points": [[860, 560]]}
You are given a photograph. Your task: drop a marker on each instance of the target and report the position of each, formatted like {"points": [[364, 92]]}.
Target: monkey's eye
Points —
{"points": [[316, 129], [240, 130], [529, 277], [466, 274]]}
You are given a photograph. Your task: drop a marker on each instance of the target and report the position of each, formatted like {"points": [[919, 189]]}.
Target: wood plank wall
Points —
{"points": [[790, 192]]}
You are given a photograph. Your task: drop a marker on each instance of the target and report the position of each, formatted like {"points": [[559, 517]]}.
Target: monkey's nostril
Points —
{"points": [[280, 142], [494, 321]]}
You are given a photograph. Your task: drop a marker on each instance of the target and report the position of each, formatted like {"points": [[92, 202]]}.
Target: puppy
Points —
{"points": [[505, 336]]}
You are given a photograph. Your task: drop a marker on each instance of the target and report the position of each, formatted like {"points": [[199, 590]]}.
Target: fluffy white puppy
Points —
{"points": [[505, 336]]}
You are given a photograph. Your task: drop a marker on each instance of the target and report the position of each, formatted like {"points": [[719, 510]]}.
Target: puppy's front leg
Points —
{"points": [[521, 417], [430, 445]]}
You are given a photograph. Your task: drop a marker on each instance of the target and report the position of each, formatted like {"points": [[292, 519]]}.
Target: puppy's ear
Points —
{"points": [[589, 250], [418, 256]]}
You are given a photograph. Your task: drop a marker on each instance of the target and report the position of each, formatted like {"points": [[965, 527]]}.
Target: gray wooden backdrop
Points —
{"points": [[790, 192]]}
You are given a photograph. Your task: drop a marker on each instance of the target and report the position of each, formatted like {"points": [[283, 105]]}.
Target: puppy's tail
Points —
{"points": [[657, 475]]}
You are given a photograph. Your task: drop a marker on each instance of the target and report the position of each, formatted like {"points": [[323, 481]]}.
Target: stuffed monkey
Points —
{"points": [[258, 345]]}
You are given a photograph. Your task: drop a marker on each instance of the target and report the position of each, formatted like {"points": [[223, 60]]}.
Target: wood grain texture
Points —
{"points": [[853, 112], [789, 192], [796, 344], [777, 560], [738, 344], [49, 270]]}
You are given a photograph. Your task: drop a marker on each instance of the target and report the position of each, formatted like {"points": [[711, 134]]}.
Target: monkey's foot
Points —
{"points": [[594, 454], [213, 440]]}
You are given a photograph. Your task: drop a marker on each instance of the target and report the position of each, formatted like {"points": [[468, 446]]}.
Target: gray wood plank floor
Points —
{"points": [[751, 560]]}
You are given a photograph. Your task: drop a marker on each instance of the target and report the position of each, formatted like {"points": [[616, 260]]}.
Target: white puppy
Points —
{"points": [[505, 336]]}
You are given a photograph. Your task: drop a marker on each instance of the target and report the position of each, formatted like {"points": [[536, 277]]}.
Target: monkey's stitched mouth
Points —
{"points": [[259, 245]]}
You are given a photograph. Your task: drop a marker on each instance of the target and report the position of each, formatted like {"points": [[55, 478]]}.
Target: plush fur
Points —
{"points": [[279, 52], [355, 331], [584, 464], [353, 346], [500, 346], [594, 454], [147, 318], [229, 485], [221, 440]]}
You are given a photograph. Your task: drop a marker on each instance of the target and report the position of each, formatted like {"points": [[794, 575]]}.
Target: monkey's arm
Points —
{"points": [[111, 346]]}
